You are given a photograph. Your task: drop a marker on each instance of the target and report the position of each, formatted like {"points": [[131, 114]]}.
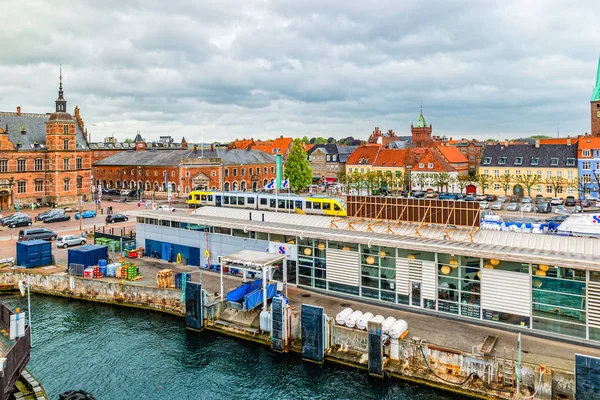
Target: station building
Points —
{"points": [[545, 283]]}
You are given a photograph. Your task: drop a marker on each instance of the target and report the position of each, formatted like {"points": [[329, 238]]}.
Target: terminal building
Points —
{"points": [[546, 283]]}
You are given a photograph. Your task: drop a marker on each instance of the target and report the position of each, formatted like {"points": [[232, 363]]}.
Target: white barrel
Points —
{"points": [[265, 321], [387, 324], [398, 329], [378, 318], [340, 319], [364, 321], [352, 318]]}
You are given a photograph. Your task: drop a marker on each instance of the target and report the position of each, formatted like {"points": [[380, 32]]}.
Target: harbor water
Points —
{"points": [[121, 353]]}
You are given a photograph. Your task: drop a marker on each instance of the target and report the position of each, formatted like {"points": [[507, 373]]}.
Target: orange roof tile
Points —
{"points": [[368, 155], [267, 146], [392, 158], [554, 141], [452, 154], [433, 157], [588, 143], [240, 144]]}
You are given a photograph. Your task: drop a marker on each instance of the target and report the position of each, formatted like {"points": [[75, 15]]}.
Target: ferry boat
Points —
{"points": [[581, 224]]}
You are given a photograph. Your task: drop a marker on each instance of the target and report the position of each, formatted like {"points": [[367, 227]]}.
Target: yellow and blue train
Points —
{"points": [[270, 202]]}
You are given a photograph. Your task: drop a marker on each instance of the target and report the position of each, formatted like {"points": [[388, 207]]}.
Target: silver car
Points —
{"points": [[497, 205], [69, 240], [512, 207]]}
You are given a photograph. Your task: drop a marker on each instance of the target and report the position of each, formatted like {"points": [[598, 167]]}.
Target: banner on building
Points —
{"points": [[289, 250]]}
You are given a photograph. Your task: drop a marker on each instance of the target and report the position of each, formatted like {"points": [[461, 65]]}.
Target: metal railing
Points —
{"points": [[17, 357]]}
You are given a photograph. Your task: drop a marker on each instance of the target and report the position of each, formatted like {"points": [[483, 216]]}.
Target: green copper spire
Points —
{"points": [[596, 92], [421, 122]]}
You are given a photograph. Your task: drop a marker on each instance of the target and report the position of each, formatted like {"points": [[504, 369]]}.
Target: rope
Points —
{"points": [[542, 372]]}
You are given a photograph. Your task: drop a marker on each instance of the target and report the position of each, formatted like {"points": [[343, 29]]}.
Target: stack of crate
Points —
{"points": [[164, 278]]}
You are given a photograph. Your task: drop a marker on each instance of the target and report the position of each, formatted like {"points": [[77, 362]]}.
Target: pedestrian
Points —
{"points": [[139, 204]]}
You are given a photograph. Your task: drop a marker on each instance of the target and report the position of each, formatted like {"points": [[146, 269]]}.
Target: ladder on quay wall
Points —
{"points": [[508, 369]]}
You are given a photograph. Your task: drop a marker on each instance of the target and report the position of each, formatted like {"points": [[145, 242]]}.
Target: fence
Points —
{"points": [[17, 357]]}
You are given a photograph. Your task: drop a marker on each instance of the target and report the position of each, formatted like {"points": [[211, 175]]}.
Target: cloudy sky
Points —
{"points": [[304, 67]]}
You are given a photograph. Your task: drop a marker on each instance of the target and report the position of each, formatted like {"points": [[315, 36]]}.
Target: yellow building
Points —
{"points": [[528, 170]]}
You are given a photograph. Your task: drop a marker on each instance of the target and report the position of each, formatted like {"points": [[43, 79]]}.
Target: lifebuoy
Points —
{"points": [[179, 258], [207, 254]]}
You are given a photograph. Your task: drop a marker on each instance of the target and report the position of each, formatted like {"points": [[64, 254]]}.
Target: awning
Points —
{"points": [[330, 180]]}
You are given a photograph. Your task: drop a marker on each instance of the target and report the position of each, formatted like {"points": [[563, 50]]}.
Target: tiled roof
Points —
{"points": [[432, 156], [531, 156], [34, 126], [364, 155], [392, 158], [588, 143], [267, 146], [241, 144], [172, 158], [452, 154], [343, 152]]}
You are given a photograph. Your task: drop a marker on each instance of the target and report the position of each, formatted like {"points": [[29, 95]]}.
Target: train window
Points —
{"points": [[299, 204], [241, 201], [272, 203], [263, 202], [326, 206], [281, 204], [197, 197], [308, 205], [233, 200], [250, 200], [203, 197], [290, 204], [225, 199], [210, 197], [336, 207], [316, 206]]}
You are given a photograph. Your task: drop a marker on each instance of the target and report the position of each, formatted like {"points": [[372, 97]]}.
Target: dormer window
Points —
{"points": [[585, 153], [487, 161], [535, 161], [570, 162], [421, 165], [518, 160], [430, 166], [554, 162], [501, 160]]}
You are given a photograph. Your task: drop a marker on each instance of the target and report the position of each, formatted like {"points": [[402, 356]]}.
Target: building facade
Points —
{"points": [[433, 171], [471, 149], [588, 164], [281, 145], [44, 157], [110, 146], [548, 169], [328, 160], [185, 170]]}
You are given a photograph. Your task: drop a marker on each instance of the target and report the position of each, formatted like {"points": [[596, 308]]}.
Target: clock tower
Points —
{"points": [[595, 105]]}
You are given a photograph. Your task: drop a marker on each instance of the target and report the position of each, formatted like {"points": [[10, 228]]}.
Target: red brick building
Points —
{"points": [[186, 170], [281, 145], [43, 157], [110, 146]]}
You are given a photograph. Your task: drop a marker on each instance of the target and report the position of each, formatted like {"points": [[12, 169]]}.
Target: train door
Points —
{"points": [[218, 200]]}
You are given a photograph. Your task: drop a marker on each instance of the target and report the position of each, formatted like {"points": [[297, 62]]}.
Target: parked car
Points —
{"points": [[112, 218], [484, 205], [570, 201], [57, 218], [447, 196], [21, 220], [4, 221], [430, 194], [504, 199], [526, 199], [42, 216], [125, 192], [37, 233], [539, 197], [512, 207], [585, 203], [165, 207], [527, 207], [86, 214], [70, 240], [543, 207], [491, 197], [497, 205], [556, 201], [480, 197], [417, 194], [469, 198]]}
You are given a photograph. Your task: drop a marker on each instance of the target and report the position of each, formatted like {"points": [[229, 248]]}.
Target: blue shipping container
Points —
{"points": [[88, 255], [34, 253]]}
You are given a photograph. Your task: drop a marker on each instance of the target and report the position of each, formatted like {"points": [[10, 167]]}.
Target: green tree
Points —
{"points": [[305, 139], [297, 167], [441, 180], [421, 180], [371, 178], [484, 181], [528, 181], [556, 183], [320, 140], [505, 182], [462, 181], [128, 141]]}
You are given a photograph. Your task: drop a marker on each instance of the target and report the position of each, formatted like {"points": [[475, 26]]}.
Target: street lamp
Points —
{"points": [[409, 179], [22, 287]]}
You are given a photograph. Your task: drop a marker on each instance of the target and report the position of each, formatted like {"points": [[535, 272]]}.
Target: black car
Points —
{"points": [[543, 207], [570, 201], [112, 218], [4, 221], [418, 194], [585, 203], [57, 218], [22, 220], [491, 197]]}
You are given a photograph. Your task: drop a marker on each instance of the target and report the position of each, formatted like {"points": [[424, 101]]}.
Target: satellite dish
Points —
{"points": [[22, 288]]}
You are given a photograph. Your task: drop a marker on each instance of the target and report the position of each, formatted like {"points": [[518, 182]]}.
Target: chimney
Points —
{"points": [[212, 146], [569, 140], [19, 111], [537, 143]]}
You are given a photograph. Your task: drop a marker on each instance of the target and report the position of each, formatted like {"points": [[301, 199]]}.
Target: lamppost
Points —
{"points": [[22, 287], [409, 178]]}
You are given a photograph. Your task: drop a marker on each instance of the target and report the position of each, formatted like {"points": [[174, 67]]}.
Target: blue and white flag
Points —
{"points": [[285, 184], [270, 185]]}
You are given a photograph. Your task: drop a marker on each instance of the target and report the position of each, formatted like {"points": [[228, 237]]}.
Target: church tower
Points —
{"points": [[421, 133], [595, 105]]}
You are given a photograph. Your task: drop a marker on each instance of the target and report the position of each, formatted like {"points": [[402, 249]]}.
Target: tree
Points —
{"points": [[557, 183], [320, 140], [462, 181], [305, 139], [371, 179], [505, 182], [421, 180], [483, 181], [128, 140], [441, 180], [528, 181], [297, 167], [331, 140]]}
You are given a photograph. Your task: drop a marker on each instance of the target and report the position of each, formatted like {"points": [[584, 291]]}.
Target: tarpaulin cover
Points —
{"points": [[253, 299], [239, 292]]}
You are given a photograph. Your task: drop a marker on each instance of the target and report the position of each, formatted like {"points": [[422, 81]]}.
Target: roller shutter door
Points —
{"points": [[594, 304], [429, 280], [343, 267], [402, 266], [506, 291]]}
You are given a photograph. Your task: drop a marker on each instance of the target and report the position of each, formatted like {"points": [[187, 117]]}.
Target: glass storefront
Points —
{"points": [[311, 263], [378, 273], [458, 285]]}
